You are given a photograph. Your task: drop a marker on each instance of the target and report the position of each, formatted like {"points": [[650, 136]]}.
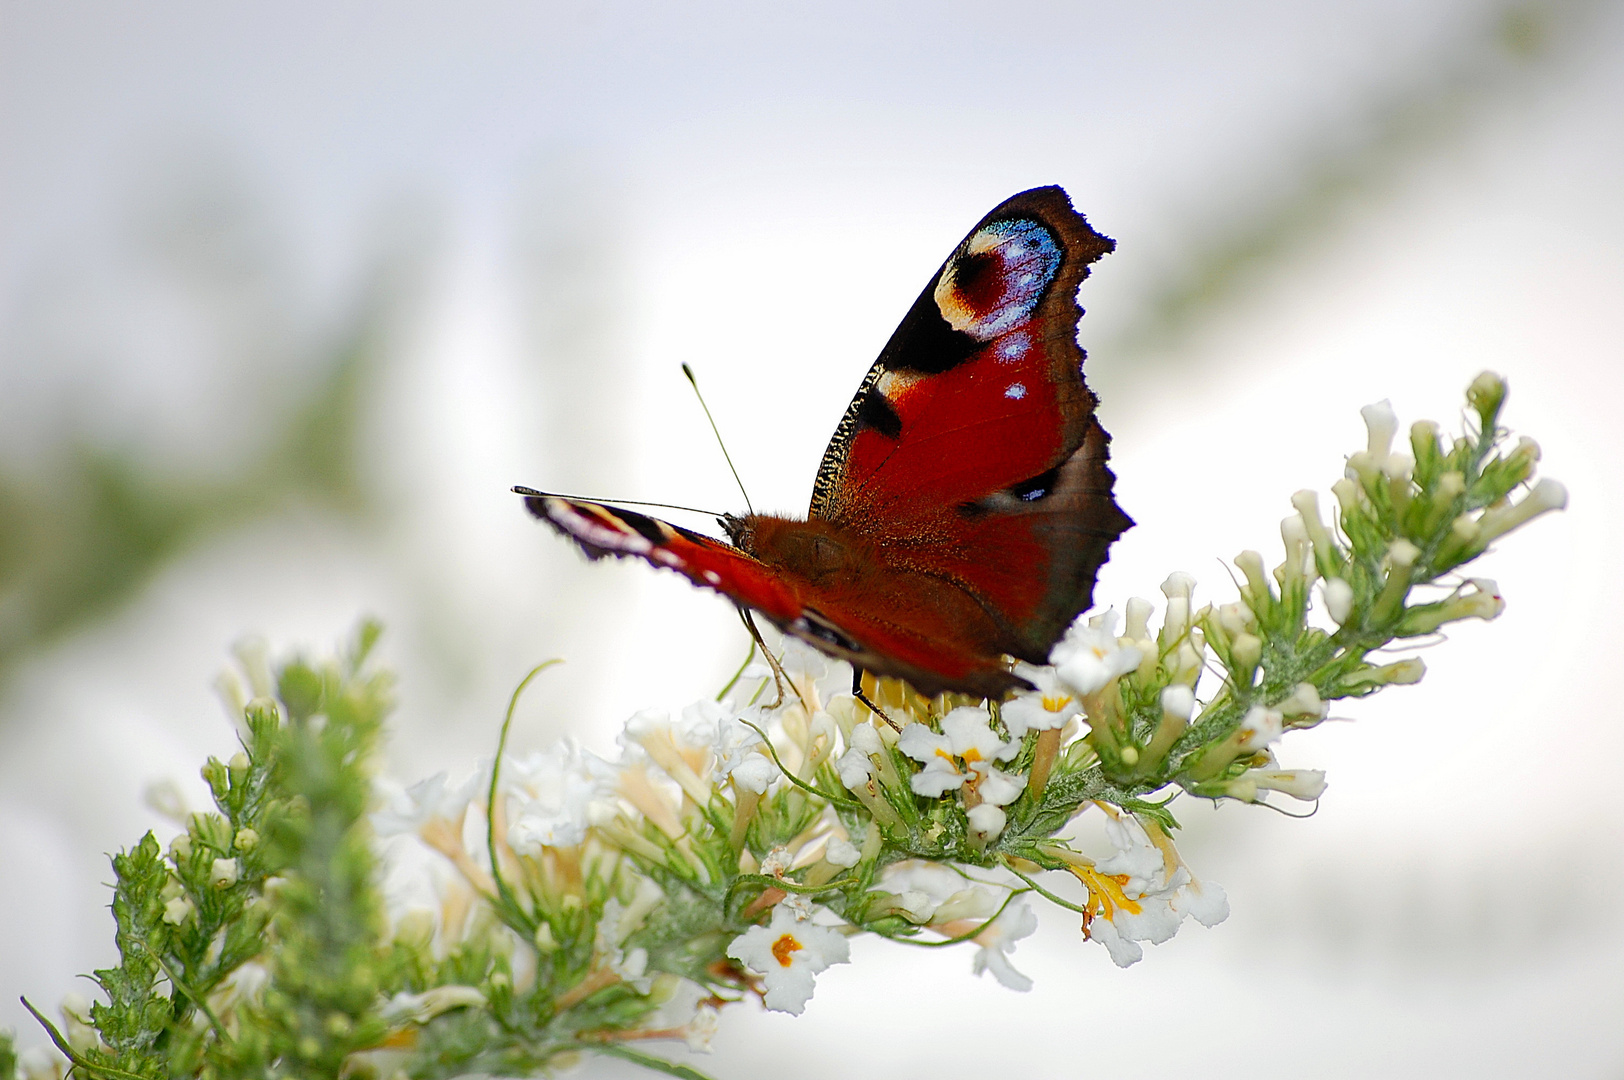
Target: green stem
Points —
{"points": [[509, 901], [648, 1061]]}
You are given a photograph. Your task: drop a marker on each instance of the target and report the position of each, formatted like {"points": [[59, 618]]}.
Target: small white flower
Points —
{"points": [[865, 738], [632, 967], [1260, 727], [997, 940], [788, 954], [1049, 706], [970, 729], [742, 756], [178, 909], [755, 773], [1304, 700], [1143, 893], [777, 862], [1090, 656], [1304, 784], [798, 905], [842, 853], [999, 788], [987, 820], [421, 1008], [1338, 600], [854, 768], [702, 723], [223, 873], [917, 904], [1204, 901], [941, 773], [1178, 701], [699, 1031], [932, 892], [427, 801], [1382, 424], [551, 795], [967, 736], [617, 923]]}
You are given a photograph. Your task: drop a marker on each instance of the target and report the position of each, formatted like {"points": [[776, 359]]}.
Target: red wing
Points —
{"points": [[601, 530], [970, 453]]}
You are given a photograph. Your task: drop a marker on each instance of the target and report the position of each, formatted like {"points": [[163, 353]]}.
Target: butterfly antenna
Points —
{"points": [[693, 382], [520, 489]]}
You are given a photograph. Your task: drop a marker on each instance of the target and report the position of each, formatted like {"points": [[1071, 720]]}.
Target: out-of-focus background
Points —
{"points": [[291, 293]]}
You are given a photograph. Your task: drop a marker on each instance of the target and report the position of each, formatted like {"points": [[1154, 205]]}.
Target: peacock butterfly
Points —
{"points": [[963, 507]]}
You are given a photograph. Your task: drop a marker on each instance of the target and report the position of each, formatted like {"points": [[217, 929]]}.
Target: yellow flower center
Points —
{"points": [[1105, 893]]}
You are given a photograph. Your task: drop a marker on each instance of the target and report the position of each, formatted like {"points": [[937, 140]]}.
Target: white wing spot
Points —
{"points": [[712, 577], [1014, 346], [1015, 391]]}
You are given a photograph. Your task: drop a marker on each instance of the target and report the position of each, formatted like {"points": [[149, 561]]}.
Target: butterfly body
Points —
{"points": [[963, 507]]}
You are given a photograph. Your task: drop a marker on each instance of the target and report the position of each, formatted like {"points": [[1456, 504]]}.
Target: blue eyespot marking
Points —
{"points": [[998, 278]]}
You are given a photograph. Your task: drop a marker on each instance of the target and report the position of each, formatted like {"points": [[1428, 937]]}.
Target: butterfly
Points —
{"points": [[963, 509]]}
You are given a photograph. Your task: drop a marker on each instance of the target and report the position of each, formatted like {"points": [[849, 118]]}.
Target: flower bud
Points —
{"points": [[1236, 619], [1424, 440], [1299, 554], [1485, 395], [1399, 673], [1304, 784], [1347, 495], [1381, 423], [1246, 651], [1178, 584], [1338, 600], [223, 873], [1257, 593], [1178, 701], [1139, 612], [1546, 495], [1303, 701], [987, 821], [178, 909]]}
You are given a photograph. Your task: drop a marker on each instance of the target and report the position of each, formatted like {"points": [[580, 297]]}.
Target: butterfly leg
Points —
{"points": [[857, 692], [779, 677]]}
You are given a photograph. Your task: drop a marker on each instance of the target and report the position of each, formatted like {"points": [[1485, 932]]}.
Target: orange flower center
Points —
{"points": [[784, 948]]}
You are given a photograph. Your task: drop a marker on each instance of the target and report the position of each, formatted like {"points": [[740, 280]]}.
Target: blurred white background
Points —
{"points": [[291, 293]]}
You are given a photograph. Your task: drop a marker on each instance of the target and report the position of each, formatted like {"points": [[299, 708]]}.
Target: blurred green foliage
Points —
{"points": [[80, 538], [1422, 113]]}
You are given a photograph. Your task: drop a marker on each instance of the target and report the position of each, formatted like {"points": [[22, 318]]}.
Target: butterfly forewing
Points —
{"points": [[602, 531], [970, 453]]}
